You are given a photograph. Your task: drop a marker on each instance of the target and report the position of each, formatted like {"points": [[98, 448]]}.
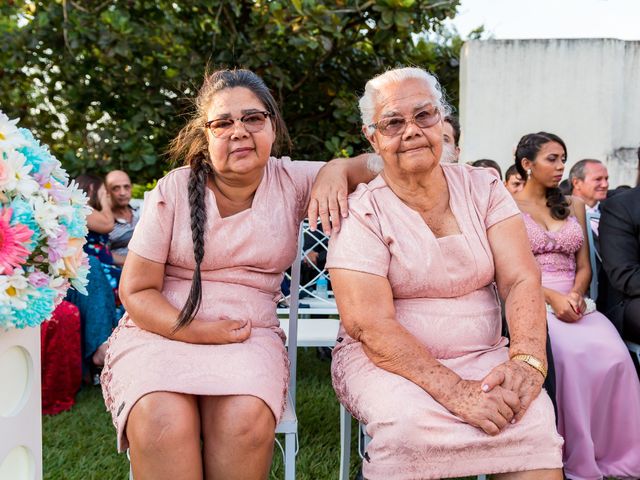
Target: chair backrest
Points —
{"points": [[308, 242], [593, 254], [292, 335]]}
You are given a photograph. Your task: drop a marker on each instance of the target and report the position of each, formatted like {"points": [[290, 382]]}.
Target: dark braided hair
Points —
{"points": [[528, 147], [191, 148]]}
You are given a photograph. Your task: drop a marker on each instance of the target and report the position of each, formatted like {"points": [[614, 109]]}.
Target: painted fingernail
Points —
{"points": [[485, 388]]}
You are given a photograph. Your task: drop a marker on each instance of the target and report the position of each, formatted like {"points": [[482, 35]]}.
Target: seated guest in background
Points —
{"points": [[125, 216], [620, 251], [487, 163], [565, 187], [98, 312], [451, 139], [512, 180], [597, 390], [414, 270], [589, 180], [100, 222]]}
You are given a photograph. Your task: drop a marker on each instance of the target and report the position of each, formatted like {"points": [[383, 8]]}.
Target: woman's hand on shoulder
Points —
{"points": [[517, 377], [329, 197], [489, 411]]}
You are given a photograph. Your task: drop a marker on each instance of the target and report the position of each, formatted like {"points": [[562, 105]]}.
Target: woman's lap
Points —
{"points": [[413, 434], [139, 362]]}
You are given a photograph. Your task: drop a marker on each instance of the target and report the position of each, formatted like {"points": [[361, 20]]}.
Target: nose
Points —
{"points": [[411, 129], [239, 130]]}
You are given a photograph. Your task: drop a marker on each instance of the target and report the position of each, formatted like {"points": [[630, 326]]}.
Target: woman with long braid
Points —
{"points": [[199, 356]]}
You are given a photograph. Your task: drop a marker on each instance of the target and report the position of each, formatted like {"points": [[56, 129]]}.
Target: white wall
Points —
{"points": [[587, 91]]}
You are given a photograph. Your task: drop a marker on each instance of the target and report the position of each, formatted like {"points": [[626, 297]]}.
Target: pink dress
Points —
{"points": [[245, 257], [597, 389], [444, 294]]}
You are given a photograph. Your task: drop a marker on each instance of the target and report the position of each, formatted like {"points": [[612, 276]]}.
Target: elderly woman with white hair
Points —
{"points": [[417, 269]]}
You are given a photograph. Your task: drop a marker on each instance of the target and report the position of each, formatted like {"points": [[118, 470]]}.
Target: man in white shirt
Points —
{"points": [[590, 181], [126, 216]]}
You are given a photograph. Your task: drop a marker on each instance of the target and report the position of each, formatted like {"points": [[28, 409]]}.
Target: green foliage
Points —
{"points": [[107, 83]]}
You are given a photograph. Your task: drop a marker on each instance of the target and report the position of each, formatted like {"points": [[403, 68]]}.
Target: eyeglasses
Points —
{"points": [[223, 128], [392, 126]]}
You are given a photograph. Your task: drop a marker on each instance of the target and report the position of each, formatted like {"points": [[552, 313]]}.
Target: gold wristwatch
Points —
{"points": [[532, 361]]}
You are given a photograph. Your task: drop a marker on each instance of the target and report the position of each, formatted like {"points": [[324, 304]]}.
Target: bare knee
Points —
{"points": [[245, 420], [162, 422]]}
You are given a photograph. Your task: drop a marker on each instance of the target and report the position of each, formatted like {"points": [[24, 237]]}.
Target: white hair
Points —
{"points": [[378, 83]]}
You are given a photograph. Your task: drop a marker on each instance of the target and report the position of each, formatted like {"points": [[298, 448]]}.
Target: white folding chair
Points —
{"points": [[288, 425]]}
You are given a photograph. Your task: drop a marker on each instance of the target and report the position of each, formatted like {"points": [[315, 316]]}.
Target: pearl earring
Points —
{"points": [[529, 173]]}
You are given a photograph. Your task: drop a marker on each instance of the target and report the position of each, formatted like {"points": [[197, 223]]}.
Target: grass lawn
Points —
{"points": [[81, 444]]}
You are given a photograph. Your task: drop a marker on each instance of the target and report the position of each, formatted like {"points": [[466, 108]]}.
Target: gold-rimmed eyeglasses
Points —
{"points": [[223, 127], [392, 126]]}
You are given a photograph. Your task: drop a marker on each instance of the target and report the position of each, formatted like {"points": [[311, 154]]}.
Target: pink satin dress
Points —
{"points": [[597, 388], [245, 257], [444, 294]]}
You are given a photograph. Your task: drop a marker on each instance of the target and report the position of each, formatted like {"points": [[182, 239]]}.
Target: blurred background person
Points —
{"points": [[488, 163], [125, 215], [512, 180], [450, 139]]}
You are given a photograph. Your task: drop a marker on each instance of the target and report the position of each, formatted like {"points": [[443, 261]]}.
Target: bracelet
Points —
{"points": [[532, 362]]}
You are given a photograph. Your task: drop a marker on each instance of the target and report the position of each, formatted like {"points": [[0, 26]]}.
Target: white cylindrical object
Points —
{"points": [[20, 405]]}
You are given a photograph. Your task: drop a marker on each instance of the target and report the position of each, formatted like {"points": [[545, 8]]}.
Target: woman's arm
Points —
{"points": [[365, 302], [141, 293], [519, 284], [101, 221], [334, 182], [518, 281]]}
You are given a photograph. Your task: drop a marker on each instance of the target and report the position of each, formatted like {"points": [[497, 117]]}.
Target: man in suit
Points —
{"points": [[620, 250]]}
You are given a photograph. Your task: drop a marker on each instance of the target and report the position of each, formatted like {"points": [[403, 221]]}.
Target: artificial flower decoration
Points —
{"points": [[42, 230]]}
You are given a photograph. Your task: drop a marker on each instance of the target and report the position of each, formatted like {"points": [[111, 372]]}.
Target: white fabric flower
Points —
{"points": [[46, 215], [17, 178], [10, 137], [14, 289]]}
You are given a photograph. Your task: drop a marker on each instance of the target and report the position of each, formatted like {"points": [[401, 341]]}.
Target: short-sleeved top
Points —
{"points": [[383, 236], [245, 254], [122, 232]]}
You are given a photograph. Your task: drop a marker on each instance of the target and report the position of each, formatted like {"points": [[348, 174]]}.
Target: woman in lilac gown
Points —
{"points": [[598, 392]]}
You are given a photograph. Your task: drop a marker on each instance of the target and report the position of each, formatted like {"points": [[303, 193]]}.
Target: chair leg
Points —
{"points": [[130, 467], [290, 456], [345, 443]]}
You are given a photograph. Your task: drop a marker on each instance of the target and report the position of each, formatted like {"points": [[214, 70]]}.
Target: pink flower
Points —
{"points": [[38, 279], [12, 251]]}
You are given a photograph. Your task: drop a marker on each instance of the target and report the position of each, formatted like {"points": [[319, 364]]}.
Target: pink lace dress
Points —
{"points": [[245, 256], [444, 295], [598, 392]]}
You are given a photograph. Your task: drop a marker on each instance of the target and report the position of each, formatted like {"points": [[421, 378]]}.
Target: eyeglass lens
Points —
{"points": [[252, 122], [396, 125]]}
